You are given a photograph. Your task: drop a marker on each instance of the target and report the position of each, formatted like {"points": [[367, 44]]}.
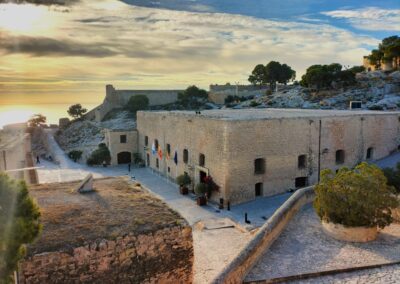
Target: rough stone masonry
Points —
{"points": [[115, 234]]}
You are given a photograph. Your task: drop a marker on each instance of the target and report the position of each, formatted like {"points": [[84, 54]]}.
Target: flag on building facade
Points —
{"points": [[159, 152], [153, 149], [176, 158]]}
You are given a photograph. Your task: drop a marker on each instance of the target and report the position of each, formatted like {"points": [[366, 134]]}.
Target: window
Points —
{"points": [[146, 140], [339, 156], [301, 182], [122, 138], [259, 166], [157, 163], [301, 161], [169, 169], [185, 156], [258, 189], [169, 149], [202, 160], [370, 153], [156, 144]]}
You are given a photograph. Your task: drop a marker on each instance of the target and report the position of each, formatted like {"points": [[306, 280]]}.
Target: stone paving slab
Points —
{"points": [[304, 248]]}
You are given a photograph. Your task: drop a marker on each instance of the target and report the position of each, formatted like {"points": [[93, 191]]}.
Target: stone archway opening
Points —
{"points": [[124, 157]]}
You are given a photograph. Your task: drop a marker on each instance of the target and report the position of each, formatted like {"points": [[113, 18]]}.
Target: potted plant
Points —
{"points": [[352, 204], [201, 190], [211, 186], [183, 181], [393, 178]]}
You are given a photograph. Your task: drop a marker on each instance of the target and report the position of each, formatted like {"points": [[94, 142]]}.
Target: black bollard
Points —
{"points": [[245, 219], [229, 206], [221, 203]]}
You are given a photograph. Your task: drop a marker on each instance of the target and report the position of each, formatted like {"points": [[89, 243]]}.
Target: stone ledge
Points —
{"points": [[350, 234]]}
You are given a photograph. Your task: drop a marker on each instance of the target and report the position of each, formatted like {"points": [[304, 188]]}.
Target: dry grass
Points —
{"points": [[114, 209]]}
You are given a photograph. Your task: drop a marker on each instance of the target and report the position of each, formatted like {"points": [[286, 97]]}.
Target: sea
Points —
{"points": [[21, 113]]}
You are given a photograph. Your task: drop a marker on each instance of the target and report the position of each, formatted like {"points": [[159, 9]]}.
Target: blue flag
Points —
{"points": [[176, 158]]}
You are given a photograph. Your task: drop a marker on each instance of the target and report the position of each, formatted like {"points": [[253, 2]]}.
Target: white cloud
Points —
{"points": [[179, 48], [371, 18]]}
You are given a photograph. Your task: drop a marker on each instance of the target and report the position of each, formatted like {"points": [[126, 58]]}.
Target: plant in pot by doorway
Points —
{"points": [[201, 190], [352, 204], [211, 186], [183, 181]]}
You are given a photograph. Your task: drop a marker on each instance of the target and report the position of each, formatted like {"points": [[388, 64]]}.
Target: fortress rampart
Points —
{"points": [[119, 98]]}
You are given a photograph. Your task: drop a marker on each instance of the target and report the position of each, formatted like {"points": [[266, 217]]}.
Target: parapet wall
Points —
{"points": [[119, 98], [164, 256], [236, 271]]}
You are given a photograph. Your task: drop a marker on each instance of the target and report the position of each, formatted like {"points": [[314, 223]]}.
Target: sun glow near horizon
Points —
{"points": [[22, 18]]}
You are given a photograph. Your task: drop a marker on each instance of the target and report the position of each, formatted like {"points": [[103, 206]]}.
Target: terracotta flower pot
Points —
{"points": [[183, 190], [201, 200], [350, 234]]}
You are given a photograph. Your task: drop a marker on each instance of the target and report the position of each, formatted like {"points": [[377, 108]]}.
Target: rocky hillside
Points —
{"points": [[86, 135], [376, 90]]}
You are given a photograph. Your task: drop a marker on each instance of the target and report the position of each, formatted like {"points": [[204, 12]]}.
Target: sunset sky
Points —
{"points": [[67, 53]]}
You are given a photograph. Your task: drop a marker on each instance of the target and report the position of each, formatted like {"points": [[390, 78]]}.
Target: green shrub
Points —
{"points": [[359, 197], [75, 155], [99, 156], [375, 107], [254, 104], [19, 224], [393, 177], [183, 179], [138, 102], [201, 189]]}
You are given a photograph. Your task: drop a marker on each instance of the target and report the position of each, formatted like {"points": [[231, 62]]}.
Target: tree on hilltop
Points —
{"points": [[192, 97], [138, 102], [76, 111], [322, 76], [19, 224], [272, 73], [36, 120], [388, 49]]}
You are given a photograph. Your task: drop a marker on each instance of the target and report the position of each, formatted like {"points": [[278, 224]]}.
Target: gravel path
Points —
{"points": [[385, 275], [304, 248]]}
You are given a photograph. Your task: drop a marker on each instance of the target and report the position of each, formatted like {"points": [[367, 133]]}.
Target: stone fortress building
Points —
{"points": [[115, 99], [384, 65], [262, 152]]}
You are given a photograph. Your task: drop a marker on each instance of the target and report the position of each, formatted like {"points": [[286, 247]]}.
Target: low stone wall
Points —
{"points": [[350, 234], [237, 270], [164, 256]]}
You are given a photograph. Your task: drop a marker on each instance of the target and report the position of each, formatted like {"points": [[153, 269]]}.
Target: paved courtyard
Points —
{"points": [[304, 248], [219, 235], [384, 275]]}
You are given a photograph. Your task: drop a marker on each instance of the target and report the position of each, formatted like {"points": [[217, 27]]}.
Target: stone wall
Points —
{"points": [[113, 142], [218, 93], [17, 155], [236, 271], [231, 147], [119, 98], [281, 142], [180, 132], [164, 256]]}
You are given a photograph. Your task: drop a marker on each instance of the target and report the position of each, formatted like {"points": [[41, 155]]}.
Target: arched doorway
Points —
{"points": [[124, 158]]}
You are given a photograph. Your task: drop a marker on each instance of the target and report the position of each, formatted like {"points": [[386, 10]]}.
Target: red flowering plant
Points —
{"points": [[211, 185]]}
